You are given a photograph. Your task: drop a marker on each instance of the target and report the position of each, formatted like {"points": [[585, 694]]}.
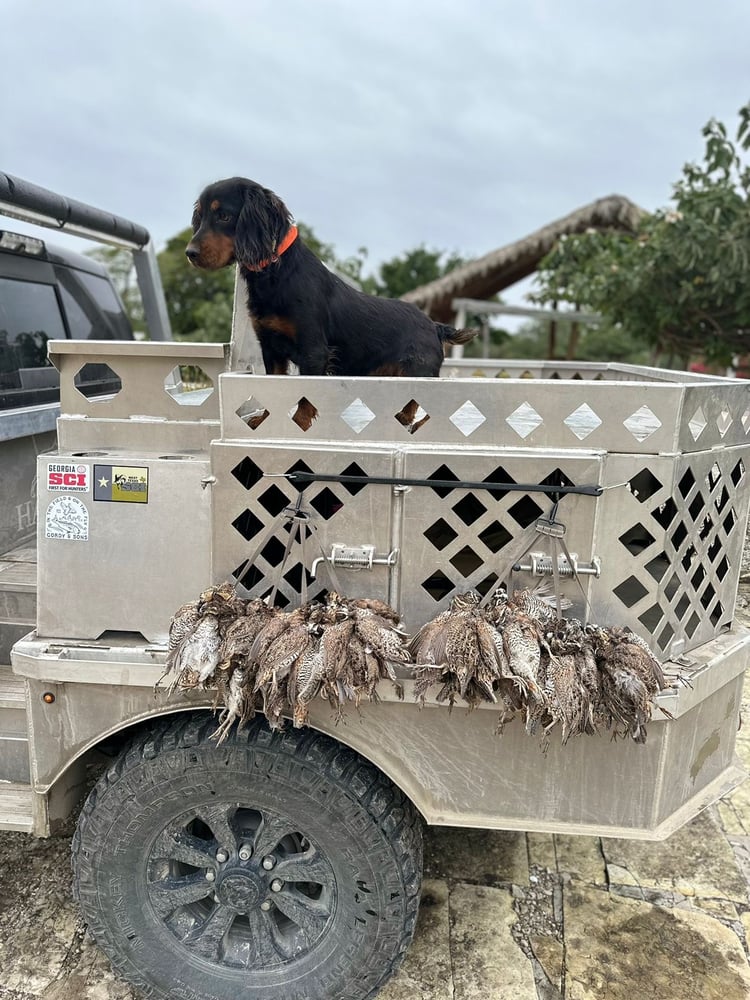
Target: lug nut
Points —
{"points": [[266, 904], [246, 852], [269, 862], [222, 856], [210, 876], [277, 885]]}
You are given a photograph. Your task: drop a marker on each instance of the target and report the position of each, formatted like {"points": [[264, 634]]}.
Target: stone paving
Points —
{"points": [[504, 916]]}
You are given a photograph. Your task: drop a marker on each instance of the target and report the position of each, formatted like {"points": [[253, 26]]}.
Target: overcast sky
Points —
{"points": [[385, 124]]}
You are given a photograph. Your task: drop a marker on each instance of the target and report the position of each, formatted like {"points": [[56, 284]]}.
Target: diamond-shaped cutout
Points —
{"points": [[470, 508], [247, 524], [273, 551], [658, 566], [665, 636], [273, 500], [443, 473], [723, 568], [630, 591], [354, 470], [582, 421], [724, 421], [672, 588], [525, 511], [644, 485], [486, 585], [499, 476], [188, 385], [300, 484], [692, 624], [651, 618], [326, 503], [357, 415], [643, 423], [696, 506], [412, 416], [679, 535], [438, 585], [252, 412], [294, 577], [738, 472], [682, 606], [697, 423], [664, 514], [440, 534], [467, 418], [97, 383], [687, 482], [247, 473], [637, 539], [247, 576], [303, 414], [524, 420], [495, 536], [466, 561]]}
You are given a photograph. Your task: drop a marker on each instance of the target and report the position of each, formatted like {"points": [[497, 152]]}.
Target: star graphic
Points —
{"points": [[103, 482]]}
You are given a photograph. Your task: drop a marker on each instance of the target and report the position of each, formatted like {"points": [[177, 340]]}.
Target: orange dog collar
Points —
{"points": [[290, 237]]}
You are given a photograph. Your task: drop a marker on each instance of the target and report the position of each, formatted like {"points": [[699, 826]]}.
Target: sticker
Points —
{"points": [[67, 517], [121, 483], [68, 476]]}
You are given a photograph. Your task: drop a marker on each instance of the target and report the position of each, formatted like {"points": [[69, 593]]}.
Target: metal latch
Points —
{"points": [[355, 557], [540, 564]]}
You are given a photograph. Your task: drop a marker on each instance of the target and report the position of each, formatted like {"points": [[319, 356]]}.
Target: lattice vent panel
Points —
{"points": [[673, 561], [457, 539], [250, 497]]}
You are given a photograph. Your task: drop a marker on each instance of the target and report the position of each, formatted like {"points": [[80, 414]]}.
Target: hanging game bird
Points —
{"points": [[553, 671]]}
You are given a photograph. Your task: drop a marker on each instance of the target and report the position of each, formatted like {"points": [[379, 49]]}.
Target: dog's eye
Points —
{"points": [[224, 217]]}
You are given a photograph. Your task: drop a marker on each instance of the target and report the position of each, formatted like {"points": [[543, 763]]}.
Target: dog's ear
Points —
{"points": [[262, 224]]}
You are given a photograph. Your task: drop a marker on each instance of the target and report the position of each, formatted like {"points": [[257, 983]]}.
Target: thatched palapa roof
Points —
{"points": [[488, 275]]}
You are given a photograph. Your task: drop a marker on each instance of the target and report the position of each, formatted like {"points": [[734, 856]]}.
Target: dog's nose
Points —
{"points": [[192, 253]]}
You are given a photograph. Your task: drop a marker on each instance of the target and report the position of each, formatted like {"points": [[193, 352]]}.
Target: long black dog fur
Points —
{"points": [[301, 312]]}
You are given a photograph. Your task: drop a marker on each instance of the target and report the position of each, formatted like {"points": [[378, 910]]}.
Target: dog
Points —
{"points": [[301, 312]]}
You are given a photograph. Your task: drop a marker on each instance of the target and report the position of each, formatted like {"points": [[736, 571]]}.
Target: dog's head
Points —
{"points": [[236, 220]]}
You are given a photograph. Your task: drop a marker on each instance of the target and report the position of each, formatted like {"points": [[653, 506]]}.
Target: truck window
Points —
{"points": [[29, 317], [94, 312]]}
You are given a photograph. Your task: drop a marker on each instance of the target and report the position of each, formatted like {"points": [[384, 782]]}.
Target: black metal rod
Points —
{"points": [[314, 477]]}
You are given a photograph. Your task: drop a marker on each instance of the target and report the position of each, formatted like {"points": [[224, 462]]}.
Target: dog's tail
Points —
{"points": [[449, 335]]}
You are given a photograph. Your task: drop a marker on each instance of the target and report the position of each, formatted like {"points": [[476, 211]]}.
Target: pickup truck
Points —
{"points": [[287, 864]]}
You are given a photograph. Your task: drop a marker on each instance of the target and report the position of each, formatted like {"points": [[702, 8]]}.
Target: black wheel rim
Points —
{"points": [[240, 887]]}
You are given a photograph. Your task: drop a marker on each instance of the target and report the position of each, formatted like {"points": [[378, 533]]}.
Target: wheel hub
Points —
{"points": [[241, 889]]}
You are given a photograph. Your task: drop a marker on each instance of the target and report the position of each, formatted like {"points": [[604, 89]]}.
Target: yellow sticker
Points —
{"points": [[121, 483]]}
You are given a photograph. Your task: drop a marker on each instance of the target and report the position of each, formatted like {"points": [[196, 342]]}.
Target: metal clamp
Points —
{"points": [[540, 564], [355, 557]]}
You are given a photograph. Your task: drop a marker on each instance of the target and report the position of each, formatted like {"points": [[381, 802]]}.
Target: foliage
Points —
{"points": [[681, 283], [411, 269]]}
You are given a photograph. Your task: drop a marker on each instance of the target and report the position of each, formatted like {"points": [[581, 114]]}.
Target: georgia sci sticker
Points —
{"points": [[70, 477]]}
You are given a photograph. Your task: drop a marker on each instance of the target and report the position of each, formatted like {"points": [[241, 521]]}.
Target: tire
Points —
{"points": [[328, 917]]}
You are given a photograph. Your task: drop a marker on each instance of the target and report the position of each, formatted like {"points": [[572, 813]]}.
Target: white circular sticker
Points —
{"points": [[67, 517]]}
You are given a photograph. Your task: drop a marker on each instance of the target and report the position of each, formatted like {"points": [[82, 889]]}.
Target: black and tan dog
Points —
{"points": [[301, 312]]}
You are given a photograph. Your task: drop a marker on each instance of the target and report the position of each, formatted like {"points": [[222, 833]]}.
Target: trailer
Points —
{"points": [[288, 864]]}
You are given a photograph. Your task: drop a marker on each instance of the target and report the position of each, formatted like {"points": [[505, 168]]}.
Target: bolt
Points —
{"points": [[269, 862], [277, 885], [210, 876], [266, 904], [222, 855], [246, 852]]}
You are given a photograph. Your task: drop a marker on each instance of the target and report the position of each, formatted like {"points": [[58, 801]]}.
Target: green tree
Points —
{"points": [[411, 269], [681, 283]]}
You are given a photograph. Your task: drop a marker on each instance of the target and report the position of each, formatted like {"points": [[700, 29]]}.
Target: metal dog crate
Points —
{"points": [[669, 451]]}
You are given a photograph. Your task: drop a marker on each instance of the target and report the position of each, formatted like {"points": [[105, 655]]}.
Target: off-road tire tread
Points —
{"points": [[389, 808]]}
